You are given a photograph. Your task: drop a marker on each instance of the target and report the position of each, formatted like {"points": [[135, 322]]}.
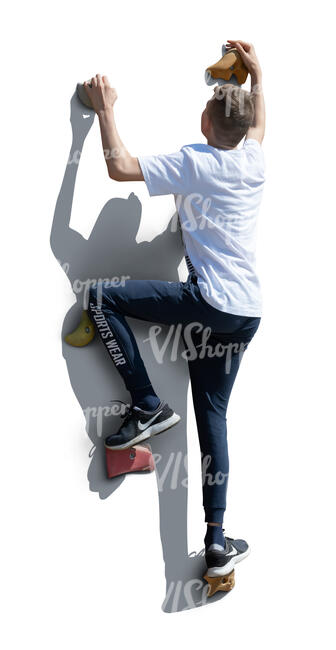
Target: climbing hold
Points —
{"points": [[138, 458], [230, 64], [83, 96], [83, 334]]}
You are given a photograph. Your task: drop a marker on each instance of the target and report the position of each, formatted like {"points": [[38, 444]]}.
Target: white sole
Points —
{"points": [[148, 433], [224, 570]]}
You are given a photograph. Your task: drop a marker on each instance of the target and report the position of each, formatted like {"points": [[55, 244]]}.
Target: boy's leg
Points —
{"points": [[168, 303], [150, 300], [212, 379]]}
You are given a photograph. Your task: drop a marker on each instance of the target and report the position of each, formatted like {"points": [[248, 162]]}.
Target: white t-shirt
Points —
{"points": [[217, 195]]}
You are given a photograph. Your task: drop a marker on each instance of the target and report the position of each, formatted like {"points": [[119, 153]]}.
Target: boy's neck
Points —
{"points": [[217, 145]]}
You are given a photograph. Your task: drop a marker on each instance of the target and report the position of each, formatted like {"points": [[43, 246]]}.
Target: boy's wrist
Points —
{"points": [[256, 77], [105, 113]]}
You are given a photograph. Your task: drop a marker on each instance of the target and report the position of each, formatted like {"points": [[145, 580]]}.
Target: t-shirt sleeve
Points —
{"points": [[254, 148], [252, 142], [165, 173]]}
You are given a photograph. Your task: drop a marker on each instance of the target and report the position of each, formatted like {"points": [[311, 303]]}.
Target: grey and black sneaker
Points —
{"points": [[221, 561], [140, 425]]}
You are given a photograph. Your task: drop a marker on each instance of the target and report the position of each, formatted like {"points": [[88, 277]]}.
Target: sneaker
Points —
{"points": [[140, 425], [221, 562]]}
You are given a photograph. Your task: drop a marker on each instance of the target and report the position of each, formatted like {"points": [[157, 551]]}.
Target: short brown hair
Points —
{"points": [[231, 112]]}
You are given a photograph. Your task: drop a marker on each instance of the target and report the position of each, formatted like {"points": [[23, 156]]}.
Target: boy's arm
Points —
{"points": [[121, 165], [247, 52]]}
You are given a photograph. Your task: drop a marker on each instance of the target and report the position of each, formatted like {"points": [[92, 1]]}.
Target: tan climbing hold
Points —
{"points": [[220, 583], [231, 63]]}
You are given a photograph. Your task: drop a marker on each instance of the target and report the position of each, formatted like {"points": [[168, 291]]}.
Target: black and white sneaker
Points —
{"points": [[221, 561], [140, 425]]}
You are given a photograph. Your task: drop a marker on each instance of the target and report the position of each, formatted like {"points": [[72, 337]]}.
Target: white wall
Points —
{"points": [[59, 540]]}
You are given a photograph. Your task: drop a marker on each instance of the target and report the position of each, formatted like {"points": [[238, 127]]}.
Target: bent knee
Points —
{"points": [[93, 295], [103, 295], [97, 295]]}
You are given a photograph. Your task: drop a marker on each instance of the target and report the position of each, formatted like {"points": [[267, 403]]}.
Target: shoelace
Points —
{"points": [[126, 416], [128, 410]]}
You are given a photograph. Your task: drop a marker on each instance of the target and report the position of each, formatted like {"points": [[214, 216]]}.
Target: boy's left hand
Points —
{"points": [[248, 54], [102, 95]]}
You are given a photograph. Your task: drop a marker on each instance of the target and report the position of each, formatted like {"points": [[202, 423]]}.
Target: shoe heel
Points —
{"points": [[161, 428]]}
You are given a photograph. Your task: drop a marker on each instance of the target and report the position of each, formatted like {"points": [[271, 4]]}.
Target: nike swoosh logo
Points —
{"points": [[144, 426], [233, 552]]}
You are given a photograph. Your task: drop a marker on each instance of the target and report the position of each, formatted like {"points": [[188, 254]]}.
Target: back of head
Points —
{"points": [[231, 112]]}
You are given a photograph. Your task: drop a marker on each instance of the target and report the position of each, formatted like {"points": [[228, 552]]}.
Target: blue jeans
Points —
{"points": [[214, 341]]}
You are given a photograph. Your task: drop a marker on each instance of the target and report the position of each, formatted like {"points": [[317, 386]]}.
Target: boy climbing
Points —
{"points": [[217, 189]]}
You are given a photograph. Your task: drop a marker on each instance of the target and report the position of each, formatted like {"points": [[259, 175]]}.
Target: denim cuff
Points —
{"points": [[214, 515]]}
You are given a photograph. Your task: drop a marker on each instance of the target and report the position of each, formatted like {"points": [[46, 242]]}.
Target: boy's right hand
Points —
{"points": [[101, 93], [247, 53]]}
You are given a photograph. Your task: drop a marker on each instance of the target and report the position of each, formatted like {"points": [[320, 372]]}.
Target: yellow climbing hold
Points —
{"points": [[83, 334]]}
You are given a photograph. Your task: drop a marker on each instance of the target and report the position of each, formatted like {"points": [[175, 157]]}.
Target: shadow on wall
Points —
{"points": [[112, 251]]}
